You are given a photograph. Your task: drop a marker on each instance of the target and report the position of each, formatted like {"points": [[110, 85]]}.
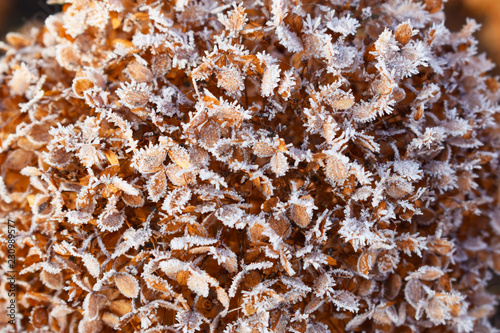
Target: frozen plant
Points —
{"points": [[261, 166]]}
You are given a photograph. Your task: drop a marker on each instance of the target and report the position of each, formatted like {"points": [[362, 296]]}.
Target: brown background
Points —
{"points": [[16, 13]]}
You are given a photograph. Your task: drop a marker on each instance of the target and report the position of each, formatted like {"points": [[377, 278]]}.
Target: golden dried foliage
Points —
{"points": [[272, 166]]}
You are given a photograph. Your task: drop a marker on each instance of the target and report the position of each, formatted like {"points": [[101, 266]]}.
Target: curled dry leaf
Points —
{"points": [[111, 221], [437, 311], [133, 200], [18, 159], [157, 283], [89, 326], [365, 262]]}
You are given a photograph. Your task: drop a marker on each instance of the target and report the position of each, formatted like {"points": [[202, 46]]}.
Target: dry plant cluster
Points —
{"points": [[268, 166]]}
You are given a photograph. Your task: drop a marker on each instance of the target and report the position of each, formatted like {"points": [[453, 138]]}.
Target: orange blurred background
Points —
{"points": [[485, 12]]}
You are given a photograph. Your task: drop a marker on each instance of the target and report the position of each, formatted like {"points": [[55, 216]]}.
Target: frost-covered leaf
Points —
{"points": [[426, 273], [127, 285], [344, 300], [157, 186]]}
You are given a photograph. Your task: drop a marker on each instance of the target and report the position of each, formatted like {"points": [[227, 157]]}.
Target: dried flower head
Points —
{"points": [[277, 166]]}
